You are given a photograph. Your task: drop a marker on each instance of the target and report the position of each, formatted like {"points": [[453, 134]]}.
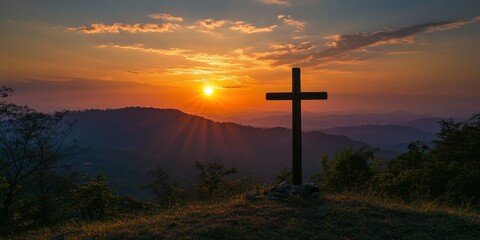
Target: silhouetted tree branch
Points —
{"points": [[5, 91], [30, 142]]}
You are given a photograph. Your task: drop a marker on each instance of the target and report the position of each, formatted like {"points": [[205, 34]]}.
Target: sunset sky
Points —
{"points": [[421, 56]]}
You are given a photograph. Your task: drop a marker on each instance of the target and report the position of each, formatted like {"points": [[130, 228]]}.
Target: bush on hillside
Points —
{"points": [[403, 176], [348, 170], [94, 199], [166, 193], [211, 180], [448, 172]]}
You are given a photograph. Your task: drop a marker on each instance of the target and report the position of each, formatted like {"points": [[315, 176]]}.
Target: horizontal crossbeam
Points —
{"points": [[301, 96]]}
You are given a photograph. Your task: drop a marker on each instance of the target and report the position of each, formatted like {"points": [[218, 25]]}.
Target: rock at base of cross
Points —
{"points": [[286, 190]]}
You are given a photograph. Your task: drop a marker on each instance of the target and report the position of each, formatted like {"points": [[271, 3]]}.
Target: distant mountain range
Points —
{"points": [[425, 124], [392, 137], [126, 143], [314, 121], [391, 131]]}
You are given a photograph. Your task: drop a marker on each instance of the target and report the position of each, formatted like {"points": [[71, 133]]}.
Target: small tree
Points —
{"points": [[94, 199], [348, 170], [456, 155], [459, 141], [211, 179], [166, 193], [414, 158]]}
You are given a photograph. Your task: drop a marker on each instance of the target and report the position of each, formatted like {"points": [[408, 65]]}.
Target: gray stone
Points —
{"points": [[286, 190]]}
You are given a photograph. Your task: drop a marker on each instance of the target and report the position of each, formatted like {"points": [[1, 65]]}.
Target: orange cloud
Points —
{"points": [[211, 59], [232, 61], [208, 25], [276, 2], [196, 71], [165, 17], [296, 37], [302, 47], [248, 28], [142, 48], [287, 19], [96, 28], [334, 37]]}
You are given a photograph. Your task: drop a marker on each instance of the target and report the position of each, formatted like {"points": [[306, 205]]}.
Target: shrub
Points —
{"points": [[167, 194], [448, 172], [94, 200], [211, 181], [348, 170]]}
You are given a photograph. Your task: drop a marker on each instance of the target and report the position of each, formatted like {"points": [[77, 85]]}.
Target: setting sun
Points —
{"points": [[208, 90]]}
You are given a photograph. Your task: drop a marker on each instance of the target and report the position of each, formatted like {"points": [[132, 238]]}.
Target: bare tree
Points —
{"points": [[30, 142]]}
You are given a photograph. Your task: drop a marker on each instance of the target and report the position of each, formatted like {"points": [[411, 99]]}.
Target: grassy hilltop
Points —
{"points": [[338, 216]]}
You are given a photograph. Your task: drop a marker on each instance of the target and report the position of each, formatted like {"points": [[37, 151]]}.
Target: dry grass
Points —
{"points": [[340, 216]]}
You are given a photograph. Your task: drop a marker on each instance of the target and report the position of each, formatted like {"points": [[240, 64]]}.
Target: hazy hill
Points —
{"points": [[389, 136], [126, 143], [425, 124], [391, 130], [312, 121]]}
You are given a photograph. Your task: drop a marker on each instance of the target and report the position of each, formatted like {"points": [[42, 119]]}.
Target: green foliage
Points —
{"points": [[94, 199], [211, 181], [448, 172], [457, 154], [403, 178], [414, 158], [348, 170], [167, 194], [459, 142], [49, 198]]}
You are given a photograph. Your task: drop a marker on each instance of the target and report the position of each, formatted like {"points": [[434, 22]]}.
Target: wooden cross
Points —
{"points": [[297, 96]]}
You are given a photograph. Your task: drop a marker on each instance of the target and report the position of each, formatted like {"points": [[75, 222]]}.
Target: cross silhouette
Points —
{"points": [[297, 96]]}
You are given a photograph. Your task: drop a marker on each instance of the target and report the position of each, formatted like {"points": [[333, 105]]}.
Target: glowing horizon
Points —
{"points": [[368, 56]]}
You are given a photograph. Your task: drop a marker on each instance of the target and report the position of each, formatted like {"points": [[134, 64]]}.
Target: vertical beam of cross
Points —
{"points": [[297, 96], [296, 128]]}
